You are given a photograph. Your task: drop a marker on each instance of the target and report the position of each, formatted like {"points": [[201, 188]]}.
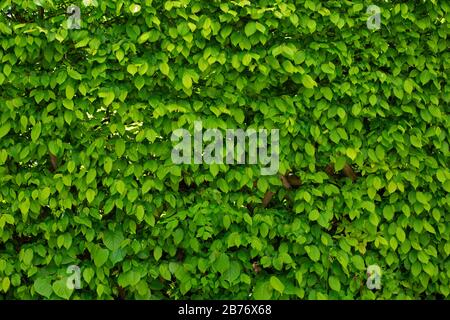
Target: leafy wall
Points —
{"points": [[86, 176]]}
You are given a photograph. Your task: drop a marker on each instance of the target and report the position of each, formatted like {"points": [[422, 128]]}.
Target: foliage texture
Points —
{"points": [[86, 176]]}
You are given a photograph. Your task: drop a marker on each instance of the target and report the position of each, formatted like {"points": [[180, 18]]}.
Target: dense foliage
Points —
{"points": [[86, 176]]}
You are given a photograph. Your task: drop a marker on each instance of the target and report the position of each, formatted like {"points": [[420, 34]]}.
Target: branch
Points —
{"points": [[267, 197], [288, 182], [348, 171]]}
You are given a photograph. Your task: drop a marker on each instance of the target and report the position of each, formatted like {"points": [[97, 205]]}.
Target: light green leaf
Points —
{"points": [[113, 239], [100, 256], [277, 284], [36, 132], [187, 81], [308, 82], [164, 68], [90, 195], [69, 92], [108, 165], [334, 283], [120, 147], [313, 253], [262, 290], [61, 289], [250, 28], [157, 253], [408, 86], [43, 287], [4, 129], [358, 262]]}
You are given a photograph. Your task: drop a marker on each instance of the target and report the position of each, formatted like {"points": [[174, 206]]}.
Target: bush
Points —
{"points": [[88, 184]]}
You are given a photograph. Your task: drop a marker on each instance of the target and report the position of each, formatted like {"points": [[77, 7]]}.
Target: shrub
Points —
{"points": [[87, 178]]}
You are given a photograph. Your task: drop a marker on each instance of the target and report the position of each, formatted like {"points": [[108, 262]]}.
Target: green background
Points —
{"points": [[86, 176]]}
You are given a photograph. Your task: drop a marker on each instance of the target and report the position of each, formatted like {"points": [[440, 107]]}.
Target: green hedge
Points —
{"points": [[86, 176]]}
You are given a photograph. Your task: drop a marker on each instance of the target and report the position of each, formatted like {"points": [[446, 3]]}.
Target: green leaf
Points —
{"points": [[222, 263], [446, 186], [314, 215], [388, 212], [69, 92], [134, 8], [132, 69], [178, 236], [250, 28], [429, 269], [308, 82], [120, 186], [43, 287], [147, 186], [91, 176], [358, 262], [239, 115], [351, 153], [108, 165], [327, 93], [68, 104], [425, 76], [262, 184], [226, 221], [157, 253], [379, 151], [139, 82], [164, 272], [313, 253], [408, 86], [377, 183], [334, 283], [113, 239], [421, 197], [90, 195], [120, 147], [416, 268], [299, 277], [5, 284], [374, 219], [143, 37], [311, 25], [88, 274], [73, 74], [277, 284], [400, 234], [61, 289], [45, 193], [340, 163], [24, 206], [100, 256], [187, 81], [326, 67], [233, 273], [164, 68], [415, 141], [4, 129], [262, 290], [140, 212], [36, 132], [108, 98], [310, 149]]}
